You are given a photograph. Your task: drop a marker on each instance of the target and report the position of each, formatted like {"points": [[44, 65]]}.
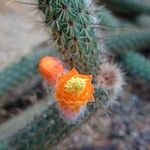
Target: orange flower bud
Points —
{"points": [[51, 68]]}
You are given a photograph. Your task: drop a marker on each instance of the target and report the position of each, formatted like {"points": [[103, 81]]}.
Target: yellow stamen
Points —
{"points": [[75, 84]]}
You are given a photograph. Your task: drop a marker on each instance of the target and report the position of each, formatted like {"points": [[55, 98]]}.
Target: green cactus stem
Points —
{"points": [[127, 6], [72, 27], [106, 18], [46, 130], [136, 64], [3, 147], [143, 21], [21, 71], [122, 41], [111, 22]]}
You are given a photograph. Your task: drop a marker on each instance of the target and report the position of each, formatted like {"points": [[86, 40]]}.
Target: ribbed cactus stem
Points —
{"points": [[106, 18], [71, 24], [46, 130], [110, 22], [3, 147], [72, 29], [143, 21], [136, 64], [127, 6], [122, 41], [21, 71]]}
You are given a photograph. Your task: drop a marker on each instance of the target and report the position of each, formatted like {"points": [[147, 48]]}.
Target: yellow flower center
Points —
{"points": [[75, 84]]}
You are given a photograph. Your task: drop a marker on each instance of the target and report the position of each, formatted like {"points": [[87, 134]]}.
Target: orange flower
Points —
{"points": [[74, 91], [51, 68]]}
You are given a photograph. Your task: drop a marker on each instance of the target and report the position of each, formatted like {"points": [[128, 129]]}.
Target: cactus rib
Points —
{"points": [[127, 6], [136, 64], [109, 21], [48, 129], [72, 29], [20, 71], [128, 41]]}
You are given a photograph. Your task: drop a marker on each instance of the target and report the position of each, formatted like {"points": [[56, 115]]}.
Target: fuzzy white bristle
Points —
{"points": [[71, 117], [110, 77]]}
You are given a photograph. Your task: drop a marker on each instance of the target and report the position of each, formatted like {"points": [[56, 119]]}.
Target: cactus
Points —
{"points": [[109, 21], [46, 130], [3, 147], [136, 64], [143, 21], [49, 128], [128, 41], [17, 73], [20, 71], [127, 6], [72, 29], [122, 41], [106, 18]]}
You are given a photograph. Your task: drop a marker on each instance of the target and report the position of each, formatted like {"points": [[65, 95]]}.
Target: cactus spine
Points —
{"points": [[72, 29]]}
